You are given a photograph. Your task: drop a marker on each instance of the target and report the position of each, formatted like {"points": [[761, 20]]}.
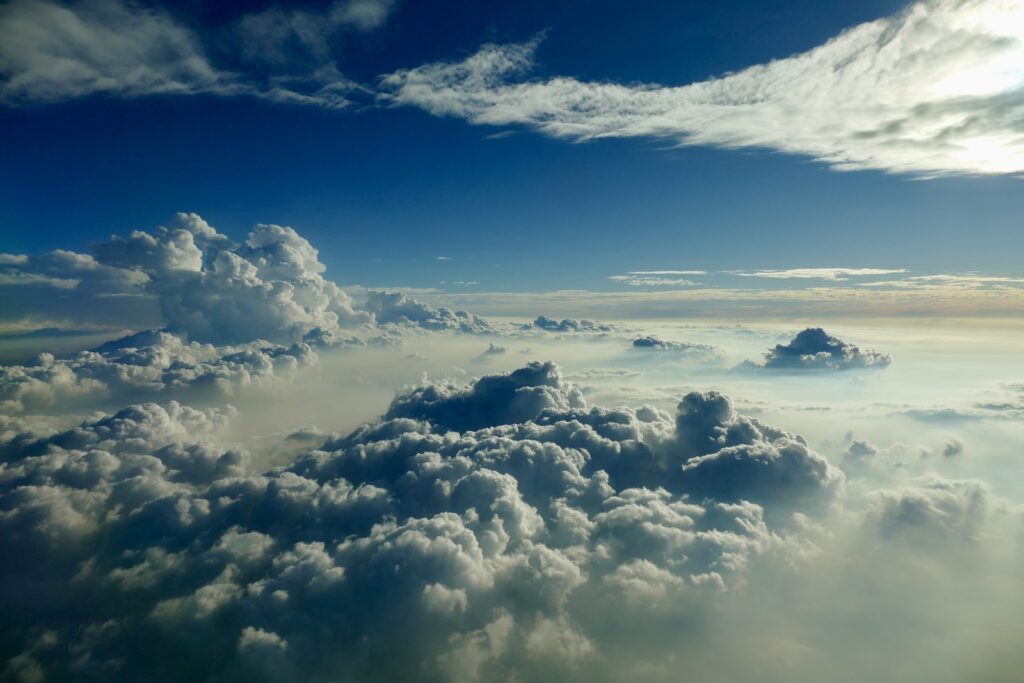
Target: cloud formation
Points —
{"points": [[835, 274], [542, 322], [149, 365], [816, 349], [469, 530], [655, 343], [205, 287], [51, 51], [396, 308], [933, 90]]}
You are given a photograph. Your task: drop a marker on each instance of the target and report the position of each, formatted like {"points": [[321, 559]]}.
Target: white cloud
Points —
{"points": [[653, 281], [814, 349], [933, 90], [412, 534], [206, 288], [838, 274]]}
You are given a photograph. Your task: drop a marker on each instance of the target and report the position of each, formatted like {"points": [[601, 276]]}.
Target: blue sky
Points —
{"points": [[384, 190]]}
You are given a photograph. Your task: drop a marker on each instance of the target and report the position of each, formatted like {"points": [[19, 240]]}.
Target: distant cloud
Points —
{"points": [[656, 278], [443, 258], [816, 349], [817, 273], [654, 343], [933, 90], [395, 308], [542, 322]]}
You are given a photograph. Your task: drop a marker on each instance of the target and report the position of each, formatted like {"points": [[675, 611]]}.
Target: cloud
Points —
{"points": [[206, 288], [838, 274], [815, 349], [469, 543], [491, 401], [395, 308], [652, 281], [657, 278], [547, 324], [933, 90], [932, 510], [50, 52], [655, 343], [146, 366]]}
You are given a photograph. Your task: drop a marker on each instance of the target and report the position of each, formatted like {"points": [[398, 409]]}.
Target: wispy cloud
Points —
{"points": [[652, 281], [950, 281], [52, 52], [816, 273], [936, 89]]}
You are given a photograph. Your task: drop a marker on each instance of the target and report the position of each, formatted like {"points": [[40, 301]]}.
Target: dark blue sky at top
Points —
{"points": [[383, 192]]}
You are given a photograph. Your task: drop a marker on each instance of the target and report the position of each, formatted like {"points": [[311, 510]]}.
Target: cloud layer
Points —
{"points": [[486, 516]]}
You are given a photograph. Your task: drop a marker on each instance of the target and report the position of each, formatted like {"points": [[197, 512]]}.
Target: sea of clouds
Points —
{"points": [[268, 478]]}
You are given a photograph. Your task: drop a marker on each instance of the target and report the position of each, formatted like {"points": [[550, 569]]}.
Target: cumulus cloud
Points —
{"points": [[458, 510], [655, 343], [933, 510], [933, 90], [542, 322], [474, 532], [148, 365], [206, 288], [396, 308], [488, 516], [816, 349]]}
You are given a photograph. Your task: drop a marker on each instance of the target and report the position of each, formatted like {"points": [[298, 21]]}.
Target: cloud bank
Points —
{"points": [[933, 90], [486, 516], [503, 528]]}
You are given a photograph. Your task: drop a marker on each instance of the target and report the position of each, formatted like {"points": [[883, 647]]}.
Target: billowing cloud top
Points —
{"points": [[208, 289], [467, 530], [395, 308], [935, 89], [816, 349]]}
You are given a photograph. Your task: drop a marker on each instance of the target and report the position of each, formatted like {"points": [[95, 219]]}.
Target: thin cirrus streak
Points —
{"points": [[934, 90]]}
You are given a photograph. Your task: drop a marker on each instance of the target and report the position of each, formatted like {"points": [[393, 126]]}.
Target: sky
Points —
{"points": [[460, 342], [384, 186]]}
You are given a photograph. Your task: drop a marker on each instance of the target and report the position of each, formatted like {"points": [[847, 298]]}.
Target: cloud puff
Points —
{"points": [[932, 510], [815, 349], [655, 343], [471, 532], [542, 322], [395, 308], [206, 288], [493, 400], [935, 89]]}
